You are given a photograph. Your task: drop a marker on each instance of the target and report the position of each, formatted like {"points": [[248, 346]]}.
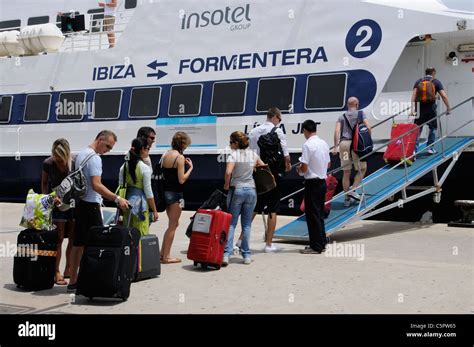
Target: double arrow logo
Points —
{"points": [[155, 65]]}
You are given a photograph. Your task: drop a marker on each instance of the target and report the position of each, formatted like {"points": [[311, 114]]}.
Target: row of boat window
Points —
{"points": [[323, 92], [98, 13]]}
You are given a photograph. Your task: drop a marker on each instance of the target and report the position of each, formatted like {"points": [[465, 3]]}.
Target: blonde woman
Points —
{"points": [[55, 169], [176, 174]]}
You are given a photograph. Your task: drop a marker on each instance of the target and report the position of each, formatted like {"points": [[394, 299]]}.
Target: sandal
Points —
{"points": [[170, 261], [60, 281]]}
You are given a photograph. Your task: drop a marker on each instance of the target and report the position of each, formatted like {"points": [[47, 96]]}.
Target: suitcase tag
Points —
{"points": [[202, 223]]}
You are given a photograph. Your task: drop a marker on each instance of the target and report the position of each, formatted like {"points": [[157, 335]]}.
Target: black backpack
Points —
{"points": [[157, 186], [271, 152]]}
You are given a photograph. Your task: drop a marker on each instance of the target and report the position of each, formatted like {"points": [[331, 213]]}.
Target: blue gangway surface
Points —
{"points": [[378, 187]]}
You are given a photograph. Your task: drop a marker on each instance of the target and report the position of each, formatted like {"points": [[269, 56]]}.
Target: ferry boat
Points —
{"points": [[212, 67]]}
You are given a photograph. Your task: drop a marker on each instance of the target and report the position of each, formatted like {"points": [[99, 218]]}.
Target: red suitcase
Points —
{"points": [[394, 152], [209, 237], [331, 185]]}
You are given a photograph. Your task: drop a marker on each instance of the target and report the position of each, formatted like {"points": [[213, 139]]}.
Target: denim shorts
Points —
{"points": [[172, 197]]}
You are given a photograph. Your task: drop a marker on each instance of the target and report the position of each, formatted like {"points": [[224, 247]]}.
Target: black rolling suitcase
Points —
{"points": [[148, 258], [109, 262], [34, 263]]}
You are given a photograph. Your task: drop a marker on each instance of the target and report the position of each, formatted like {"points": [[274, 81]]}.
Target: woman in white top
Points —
{"points": [[242, 196], [139, 192]]}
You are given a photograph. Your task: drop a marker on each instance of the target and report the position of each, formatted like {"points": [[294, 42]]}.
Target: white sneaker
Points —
{"points": [[225, 261], [247, 261], [347, 202], [236, 250], [432, 151], [270, 249]]}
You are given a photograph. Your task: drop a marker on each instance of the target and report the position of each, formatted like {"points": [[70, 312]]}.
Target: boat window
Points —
{"points": [[275, 92], [326, 91], [10, 25], [129, 4], [38, 20], [228, 97], [185, 100], [71, 106], [459, 5], [58, 18], [107, 104], [144, 102], [5, 108], [37, 107]]}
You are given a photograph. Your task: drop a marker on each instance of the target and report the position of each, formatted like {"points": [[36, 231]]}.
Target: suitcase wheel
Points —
{"points": [[195, 263], [91, 297], [204, 266], [218, 267]]}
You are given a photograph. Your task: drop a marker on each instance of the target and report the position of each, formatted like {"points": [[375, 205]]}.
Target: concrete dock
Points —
{"points": [[372, 267]]}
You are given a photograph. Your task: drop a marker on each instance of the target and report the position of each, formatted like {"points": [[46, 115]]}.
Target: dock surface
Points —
{"points": [[372, 267]]}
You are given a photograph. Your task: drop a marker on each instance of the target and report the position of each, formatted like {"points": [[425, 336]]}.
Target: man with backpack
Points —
{"points": [[343, 143], [87, 211], [424, 104], [269, 142]]}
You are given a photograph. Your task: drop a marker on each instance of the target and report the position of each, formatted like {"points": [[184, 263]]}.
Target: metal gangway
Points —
{"points": [[389, 180]]}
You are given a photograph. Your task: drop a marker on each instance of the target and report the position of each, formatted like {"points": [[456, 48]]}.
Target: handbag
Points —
{"points": [[264, 179], [37, 213]]}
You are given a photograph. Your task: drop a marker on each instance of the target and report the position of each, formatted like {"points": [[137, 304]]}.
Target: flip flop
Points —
{"points": [[170, 261]]}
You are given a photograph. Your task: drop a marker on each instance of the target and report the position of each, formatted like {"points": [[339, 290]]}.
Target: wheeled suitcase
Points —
{"points": [[403, 148], [34, 263], [109, 262], [209, 238], [148, 265]]}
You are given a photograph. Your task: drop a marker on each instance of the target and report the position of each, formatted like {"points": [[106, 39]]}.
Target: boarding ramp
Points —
{"points": [[389, 180]]}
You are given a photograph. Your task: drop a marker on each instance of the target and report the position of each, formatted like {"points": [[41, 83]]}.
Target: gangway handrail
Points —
{"points": [[447, 112]]}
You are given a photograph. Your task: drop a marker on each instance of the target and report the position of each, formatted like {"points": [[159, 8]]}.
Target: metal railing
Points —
{"points": [[95, 37], [402, 162]]}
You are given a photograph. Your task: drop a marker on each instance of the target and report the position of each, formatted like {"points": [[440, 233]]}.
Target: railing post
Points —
{"points": [[362, 197], [440, 134], [404, 159]]}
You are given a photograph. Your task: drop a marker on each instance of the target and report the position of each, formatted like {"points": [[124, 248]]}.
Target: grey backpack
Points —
{"points": [[74, 186]]}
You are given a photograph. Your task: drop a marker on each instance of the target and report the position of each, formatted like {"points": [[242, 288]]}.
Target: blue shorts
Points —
{"points": [[62, 216], [172, 197]]}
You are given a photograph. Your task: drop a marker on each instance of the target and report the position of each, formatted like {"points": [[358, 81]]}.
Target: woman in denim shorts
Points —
{"points": [[176, 171]]}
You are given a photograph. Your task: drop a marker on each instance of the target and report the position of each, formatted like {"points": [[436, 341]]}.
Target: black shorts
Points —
{"points": [[87, 215], [270, 200]]}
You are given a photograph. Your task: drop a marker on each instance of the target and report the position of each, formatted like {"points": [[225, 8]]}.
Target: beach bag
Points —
{"points": [[37, 213]]}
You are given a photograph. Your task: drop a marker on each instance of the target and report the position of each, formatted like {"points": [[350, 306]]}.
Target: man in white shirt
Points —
{"points": [[270, 202], [314, 163]]}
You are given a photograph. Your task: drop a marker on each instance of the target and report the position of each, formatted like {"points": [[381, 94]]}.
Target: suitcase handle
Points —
{"points": [[223, 237], [117, 216]]}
